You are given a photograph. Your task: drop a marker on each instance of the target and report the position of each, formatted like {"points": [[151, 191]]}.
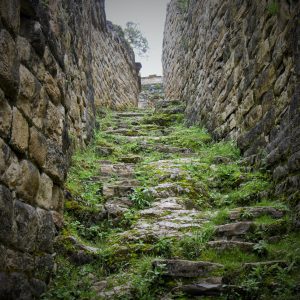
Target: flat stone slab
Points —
{"points": [[119, 169], [185, 268], [234, 229], [131, 114], [203, 289], [224, 245], [256, 212], [281, 263]]}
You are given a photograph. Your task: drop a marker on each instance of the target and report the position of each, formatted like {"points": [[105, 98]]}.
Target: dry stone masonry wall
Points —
{"points": [[58, 59], [236, 64]]}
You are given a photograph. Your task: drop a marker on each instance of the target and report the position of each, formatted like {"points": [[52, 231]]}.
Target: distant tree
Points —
{"points": [[135, 38]]}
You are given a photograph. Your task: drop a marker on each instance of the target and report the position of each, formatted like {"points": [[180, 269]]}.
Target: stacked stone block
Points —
{"points": [[236, 66]]}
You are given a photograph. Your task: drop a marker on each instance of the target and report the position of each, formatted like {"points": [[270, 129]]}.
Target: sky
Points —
{"points": [[150, 15]]}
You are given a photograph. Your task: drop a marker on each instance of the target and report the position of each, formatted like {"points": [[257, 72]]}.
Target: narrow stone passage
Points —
{"points": [[156, 210]]}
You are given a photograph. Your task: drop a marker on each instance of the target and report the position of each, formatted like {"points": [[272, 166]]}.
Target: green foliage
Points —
{"points": [[163, 119], [163, 247], [193, 137], [135, 38], [192, 246], [146, 279], [70, 282], [141, 198]]}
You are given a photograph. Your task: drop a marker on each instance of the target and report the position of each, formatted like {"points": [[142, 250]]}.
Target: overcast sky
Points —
{"points": [[150, 15]]}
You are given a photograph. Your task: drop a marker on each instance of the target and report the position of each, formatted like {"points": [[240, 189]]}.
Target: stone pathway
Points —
{"points": [[169, 217]]}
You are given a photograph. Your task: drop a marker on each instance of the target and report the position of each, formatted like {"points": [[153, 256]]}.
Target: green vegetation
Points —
{"points": [[209, 180]]}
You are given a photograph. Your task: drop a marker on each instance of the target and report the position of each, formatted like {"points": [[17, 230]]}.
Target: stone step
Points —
{"points": [[234, 229], [254, 212], [117, 207], [228, 245], [166, 148], [104, 151], [131, 114], [119, 169], [167, 190], [125, 132], [203, 289], [115, 190], [165, 224], [185, 268], [281, 263], [132, 159]]}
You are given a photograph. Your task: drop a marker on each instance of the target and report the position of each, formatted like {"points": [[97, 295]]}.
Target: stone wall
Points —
{"points": [[236, 64], [57, 58]]}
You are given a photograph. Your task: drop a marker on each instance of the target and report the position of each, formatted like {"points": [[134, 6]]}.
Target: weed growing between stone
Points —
{"points": [[150, 188]]}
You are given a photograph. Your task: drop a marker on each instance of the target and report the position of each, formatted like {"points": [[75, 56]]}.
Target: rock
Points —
{"points": [[131, 159], [6, 157], [52, 89], [111, 191], [28, 181], [9, 64], [234, 229], [224, 245], [38, 146], [5, 117], [203, 289], [117, 208], [26, 226], [16, 286], [255, 212], [58, 219], [46, 231], [9, 12], [44, 195], [167, 190], [29, 90], [254, 265], [121, 170], [20, 132], [7, 230], [104, 151], [185, 268]]}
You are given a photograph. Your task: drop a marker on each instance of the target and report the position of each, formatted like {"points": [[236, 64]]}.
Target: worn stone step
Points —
{"points": [[254, 212], [167, 190], [166, 148], [165, 224], [185, 268], [234, 229], [115, 190], [281, 263], [117, 207], [133, 159], [119, 169], [203, 289], [131, 114], [125, 132], [226, 245]]}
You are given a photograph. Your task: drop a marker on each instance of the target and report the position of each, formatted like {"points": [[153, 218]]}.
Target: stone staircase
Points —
{"points": [[169, 216]]}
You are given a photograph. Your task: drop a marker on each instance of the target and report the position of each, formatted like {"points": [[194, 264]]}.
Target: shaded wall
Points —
{"points": [[52, 55], [236, 65]]}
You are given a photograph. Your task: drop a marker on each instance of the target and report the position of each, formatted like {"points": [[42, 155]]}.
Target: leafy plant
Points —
{"points": [[141, 198]]}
